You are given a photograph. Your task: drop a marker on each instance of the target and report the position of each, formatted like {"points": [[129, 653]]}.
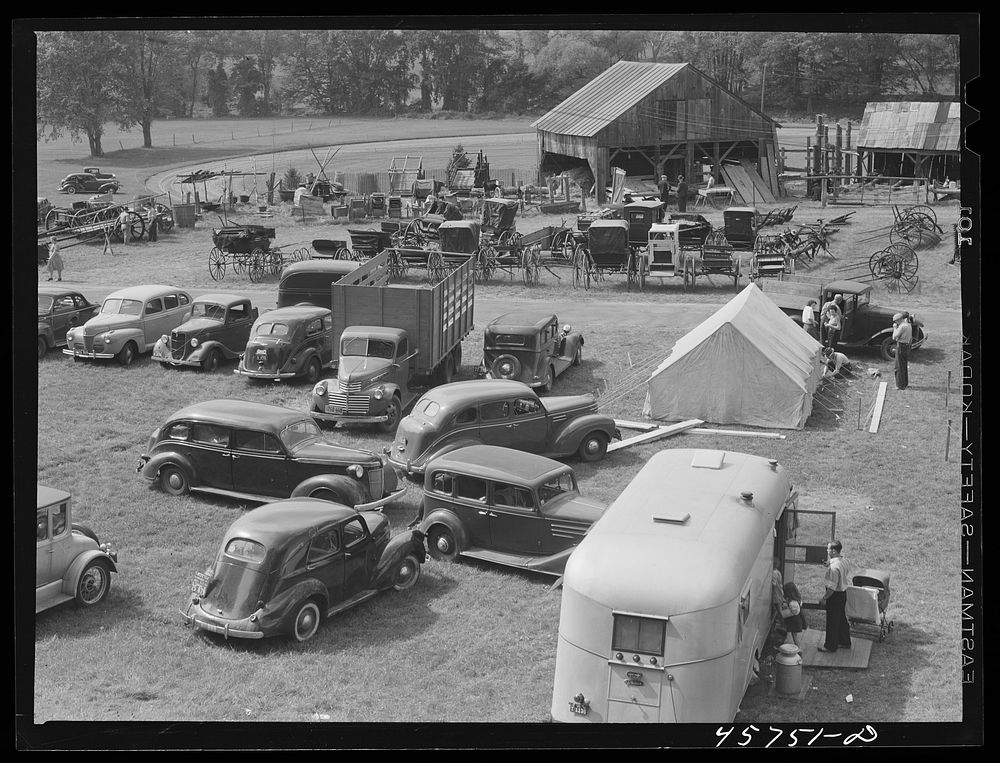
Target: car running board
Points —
{"points": [[514, 560], [356, 599]]}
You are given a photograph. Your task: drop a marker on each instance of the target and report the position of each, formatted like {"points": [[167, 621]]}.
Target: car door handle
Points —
{"points": [[484, 513], [511, 426], [234, 455]]}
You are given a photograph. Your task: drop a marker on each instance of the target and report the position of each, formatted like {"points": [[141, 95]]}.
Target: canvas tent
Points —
{"points": [[749, 363]]}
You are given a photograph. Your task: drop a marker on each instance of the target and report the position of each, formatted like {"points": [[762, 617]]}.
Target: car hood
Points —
{"points": [[101, 323], [568, 403], [355, 368], [321, 450], [198, 325]]}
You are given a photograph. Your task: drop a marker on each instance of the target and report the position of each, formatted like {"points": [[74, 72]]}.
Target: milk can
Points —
{"points": [[788, 670]]}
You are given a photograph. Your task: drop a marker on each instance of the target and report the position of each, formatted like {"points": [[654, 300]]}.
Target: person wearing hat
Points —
{"points": [[682, 194], [902, 334], [664, 186], [55, 259]]}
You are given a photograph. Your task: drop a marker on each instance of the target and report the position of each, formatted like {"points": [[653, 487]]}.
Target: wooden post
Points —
{"points": [[270, 190], [859, 414], [947, 390], [826, 149], [808, 154], [838, 156], [847, 158], [947, 441]]}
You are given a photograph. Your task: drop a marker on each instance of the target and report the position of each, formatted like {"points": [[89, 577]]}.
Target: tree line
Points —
{"points": [[86, 79]]}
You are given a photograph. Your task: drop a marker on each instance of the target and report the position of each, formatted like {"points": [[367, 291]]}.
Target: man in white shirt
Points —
{"points": [[902, 333], [299, 193], [809, 319]]}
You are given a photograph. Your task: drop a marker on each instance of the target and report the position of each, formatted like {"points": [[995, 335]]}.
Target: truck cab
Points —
{"points": [[373, 378]]}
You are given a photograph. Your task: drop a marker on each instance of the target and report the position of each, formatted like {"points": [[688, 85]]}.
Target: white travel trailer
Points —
{"points": [[666, 602]]}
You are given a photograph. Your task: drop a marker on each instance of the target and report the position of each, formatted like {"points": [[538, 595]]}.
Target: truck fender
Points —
{"points": [[72, 576], [401, 544], [449, 519], [203, 348], [879, 337], [349, 489], [151, 471], [569, 438]]}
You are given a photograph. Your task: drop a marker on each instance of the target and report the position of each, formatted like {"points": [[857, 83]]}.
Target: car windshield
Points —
{"points": [[44, 303], [367, 348], [272, 329], [122, 307], [208, 310], [300, 433], [556, 486]]}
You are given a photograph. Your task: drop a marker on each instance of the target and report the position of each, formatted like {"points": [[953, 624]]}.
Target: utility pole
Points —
{"points": [[763, 78]]}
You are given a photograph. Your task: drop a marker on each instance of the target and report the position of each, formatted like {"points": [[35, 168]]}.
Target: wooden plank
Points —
{"points": [[728, 173], [642, 426], [655, 434], [757, 181], [737, 433], [879, 402]]}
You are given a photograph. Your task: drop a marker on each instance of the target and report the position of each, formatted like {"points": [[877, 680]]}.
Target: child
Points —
{"points": [[795, 623]]}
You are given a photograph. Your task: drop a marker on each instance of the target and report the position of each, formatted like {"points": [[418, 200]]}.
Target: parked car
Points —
{"points": [[87, 182], [529, 348], [218, 330], [289, 342], [504, 506], [499, 412], [286, 566], [70, 561], [60, 309], [261, 452], [129, 324]]}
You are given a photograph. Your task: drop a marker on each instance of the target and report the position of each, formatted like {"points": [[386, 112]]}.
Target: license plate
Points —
{"points": [[261, 355], [199, 584], [578, 708], [336, 409]]}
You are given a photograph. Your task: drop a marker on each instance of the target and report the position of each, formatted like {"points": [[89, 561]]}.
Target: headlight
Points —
{"points": [[165, 339], [379, 393], [356, 470], [107, 337], [320, 388], [69, 335], [194, 341]]}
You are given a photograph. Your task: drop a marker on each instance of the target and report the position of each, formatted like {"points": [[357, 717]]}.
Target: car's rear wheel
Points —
{"points": [[71, 189], [174, 481], [593, 447], [578, 357], [407, 573], [126, 355], [306, 621], [211, 362], [888, 348], [442, 544], [312, 371], [94, 584]]}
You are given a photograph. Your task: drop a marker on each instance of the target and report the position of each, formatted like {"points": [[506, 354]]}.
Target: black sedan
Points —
{"points": [[60, 309]]}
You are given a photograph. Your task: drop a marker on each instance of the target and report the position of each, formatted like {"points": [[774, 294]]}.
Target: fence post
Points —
{"points": [[947, 390], [947, 441]]}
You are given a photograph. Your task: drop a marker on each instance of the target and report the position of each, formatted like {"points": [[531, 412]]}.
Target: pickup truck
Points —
{"points": [[390, 337], [865, 325]]}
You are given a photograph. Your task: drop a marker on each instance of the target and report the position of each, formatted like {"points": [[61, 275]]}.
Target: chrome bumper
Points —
{"points": [[348, 417], [87, 355], [264, 375], [381, 501], [225, 630]]}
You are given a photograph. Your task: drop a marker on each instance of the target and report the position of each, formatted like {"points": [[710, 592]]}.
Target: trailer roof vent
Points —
{"points": [[708, 459], [673, 519]]}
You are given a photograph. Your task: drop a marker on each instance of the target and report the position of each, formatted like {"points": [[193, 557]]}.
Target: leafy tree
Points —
{"points": [[142, 69], [245, 82], [218, 90], [73, 90]]}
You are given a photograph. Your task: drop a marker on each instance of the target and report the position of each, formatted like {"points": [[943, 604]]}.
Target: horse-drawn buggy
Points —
{"points": [[606, 252], [501, 244], [247, 248]]}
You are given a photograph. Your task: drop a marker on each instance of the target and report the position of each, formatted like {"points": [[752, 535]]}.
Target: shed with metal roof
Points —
{"points": [[912, 139], [652, 119]]}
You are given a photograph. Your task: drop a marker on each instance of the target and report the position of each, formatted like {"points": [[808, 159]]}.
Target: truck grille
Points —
{"points": [[178, 341], [357, 404], [353, 388], [376, 482]]}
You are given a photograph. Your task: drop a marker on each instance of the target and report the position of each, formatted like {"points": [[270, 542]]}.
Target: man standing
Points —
{"points": [[902, 333], [124, 225], [153, 222], [809, 319], [664, 191], [838, 571], [682, 194]]}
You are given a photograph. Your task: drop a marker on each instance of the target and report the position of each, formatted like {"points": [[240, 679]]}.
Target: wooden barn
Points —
{"points": [[919, 139], [652, 119]]}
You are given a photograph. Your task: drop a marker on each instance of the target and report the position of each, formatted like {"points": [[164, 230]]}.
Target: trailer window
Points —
{"points": [[638, 634]]}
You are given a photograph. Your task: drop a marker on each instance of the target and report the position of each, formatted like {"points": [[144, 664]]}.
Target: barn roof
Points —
{"points": [[609, 95], [912, 125]]}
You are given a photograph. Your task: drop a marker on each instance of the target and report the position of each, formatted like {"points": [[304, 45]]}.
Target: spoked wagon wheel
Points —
{"points": [[529, 264], [275, 263], [923, 216], [632, 268], [559, 240], [135, 226], [240, 261], [343, 253], [52, 218], [898, 267], [568, 249], [717, 238], [435, 266], [217, 264], [397, 265], [164, 217], [581, 268], [256, 265], [736, 273], [873, 263]]}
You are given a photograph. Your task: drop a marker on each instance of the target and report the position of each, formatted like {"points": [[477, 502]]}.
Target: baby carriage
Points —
{"points": [[867, 603]]}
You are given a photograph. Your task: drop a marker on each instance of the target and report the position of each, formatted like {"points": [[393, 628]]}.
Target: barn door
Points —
{"points": [[800, 543]]}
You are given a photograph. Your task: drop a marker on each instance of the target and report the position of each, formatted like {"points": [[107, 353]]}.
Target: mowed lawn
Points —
{"points": [[475, 642]]}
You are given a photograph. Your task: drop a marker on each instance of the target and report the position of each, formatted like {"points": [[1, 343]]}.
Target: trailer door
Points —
{"points": [[800, 542]]}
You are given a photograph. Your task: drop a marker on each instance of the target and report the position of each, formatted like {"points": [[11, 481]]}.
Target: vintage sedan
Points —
{"points": [[218, 330], [60, 309], [499, 412], [70, 561], [504, 506], [259, 452], [529, 348], [286, 566], [290, 342], [130, 323], [89, 182]]}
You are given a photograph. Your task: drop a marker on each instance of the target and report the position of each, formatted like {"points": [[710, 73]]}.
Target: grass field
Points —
{"points": [[471, 642]]}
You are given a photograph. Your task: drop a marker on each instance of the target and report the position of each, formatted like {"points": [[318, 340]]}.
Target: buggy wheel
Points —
{"points": [[256, 266], [216, 264], [136, 227], [275, 263], [736, 273], [343, 253], [51, 218], [568, 248], [435, 266]]}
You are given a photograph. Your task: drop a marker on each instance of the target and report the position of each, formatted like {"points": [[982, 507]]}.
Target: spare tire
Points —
{"points": [[506, 367]]}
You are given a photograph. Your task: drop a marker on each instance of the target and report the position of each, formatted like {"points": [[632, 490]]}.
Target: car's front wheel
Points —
{"points": [[94, 584], [391, 416], [593, 447], [43, 347], [442, 544], [211, 362], [306, 621], [174, 481], [126, 354], [407, 573]]}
